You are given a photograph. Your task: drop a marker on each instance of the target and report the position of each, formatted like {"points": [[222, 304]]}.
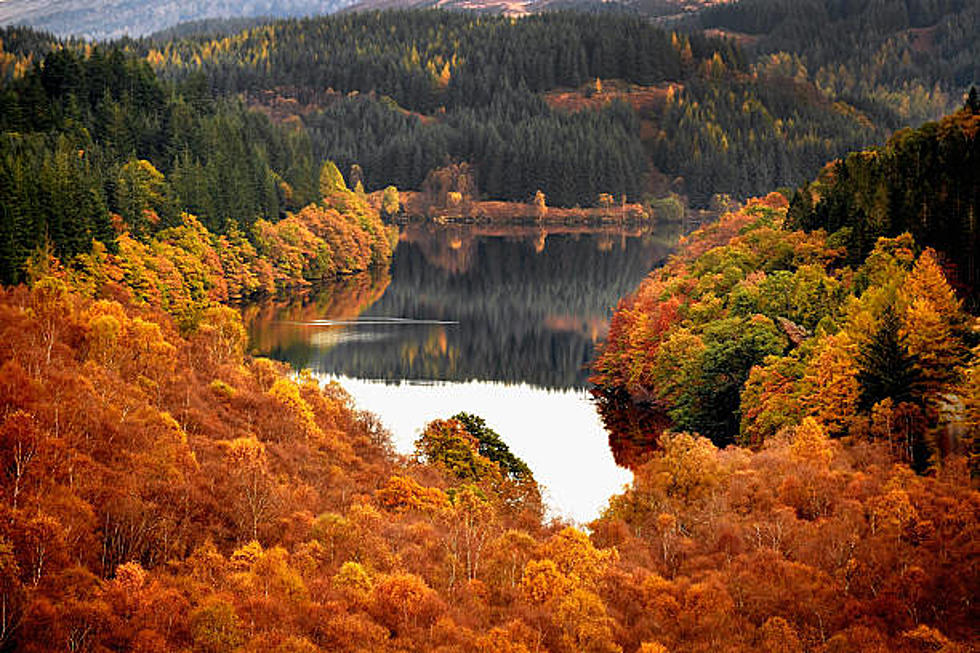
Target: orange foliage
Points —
{"points": [[162, 491]]}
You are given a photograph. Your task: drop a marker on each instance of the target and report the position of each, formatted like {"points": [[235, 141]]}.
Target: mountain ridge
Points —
{"points": [[112, 19]]}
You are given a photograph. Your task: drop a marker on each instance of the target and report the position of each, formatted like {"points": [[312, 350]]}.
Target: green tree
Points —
{"points": [[886, 368], [491, 446], [710, 405]]}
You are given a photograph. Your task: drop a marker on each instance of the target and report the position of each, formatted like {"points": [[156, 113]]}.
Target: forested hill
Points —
{"points": [[916, 56], [798, 84], [94, 147], [573, 105], [839, 306], [478, 88]]}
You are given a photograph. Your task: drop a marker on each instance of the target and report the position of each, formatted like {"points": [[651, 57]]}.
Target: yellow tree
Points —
{"points": [[469, 523], [810, 444], [331, 180], [927, 281], [933, 325], [831, 388], [971, 400], [576, 556], [215, 626], [586, 625], [543, 582], [252, 482]]}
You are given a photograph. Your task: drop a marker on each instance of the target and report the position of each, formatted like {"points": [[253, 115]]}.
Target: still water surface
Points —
{"points": [[499, 322]]}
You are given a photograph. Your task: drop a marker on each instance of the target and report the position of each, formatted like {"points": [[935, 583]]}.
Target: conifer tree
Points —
{"points": [[886, 368]]}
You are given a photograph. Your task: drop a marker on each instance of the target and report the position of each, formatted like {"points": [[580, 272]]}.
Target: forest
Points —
{"points": [[483, 78], [94, 147], [162, 490], [848, 316], [402, 94], [901, 53], [797, 390], [741, 119]]}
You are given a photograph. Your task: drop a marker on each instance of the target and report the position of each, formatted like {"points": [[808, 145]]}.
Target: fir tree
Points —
{"points": [[886, 368]]}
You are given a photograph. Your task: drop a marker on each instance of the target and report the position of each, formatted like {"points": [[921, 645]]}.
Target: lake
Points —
{"points": [[501, 322]]}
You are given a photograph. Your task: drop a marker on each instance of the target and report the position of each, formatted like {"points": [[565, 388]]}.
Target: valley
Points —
{"points": [[619, 328]]}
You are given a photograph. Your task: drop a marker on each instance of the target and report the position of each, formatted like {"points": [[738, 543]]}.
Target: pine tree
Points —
{"points": [[886, 368]]}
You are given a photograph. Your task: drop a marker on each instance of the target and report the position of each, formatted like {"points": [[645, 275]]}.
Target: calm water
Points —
{"points": [[499, 322]]}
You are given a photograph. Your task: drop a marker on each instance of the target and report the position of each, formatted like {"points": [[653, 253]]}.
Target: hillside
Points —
{"points": [[918, 58], [824, 308], [532, 104], [448, 85], [161, 490], [135, 18], [116, 18]]}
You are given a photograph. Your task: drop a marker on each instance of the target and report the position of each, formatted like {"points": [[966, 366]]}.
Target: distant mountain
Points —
{"points": [[656, 8], [109, 19]]}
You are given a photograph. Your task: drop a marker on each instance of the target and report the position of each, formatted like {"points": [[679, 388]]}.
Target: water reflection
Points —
{"points": [[277, 327], [500, 322], [469, 303]]}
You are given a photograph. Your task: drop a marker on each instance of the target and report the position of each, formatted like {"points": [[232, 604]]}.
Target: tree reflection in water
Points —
{"points": [[498, 322], [512, 305]]}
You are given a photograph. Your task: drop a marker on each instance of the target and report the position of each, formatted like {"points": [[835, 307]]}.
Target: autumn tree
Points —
{"points": [[331, 181], [404, 601], [469, 522], [252, 484], [215, 626], [448, 444], [19, 444], [390, 201], [933, 325], [832, 391]]}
